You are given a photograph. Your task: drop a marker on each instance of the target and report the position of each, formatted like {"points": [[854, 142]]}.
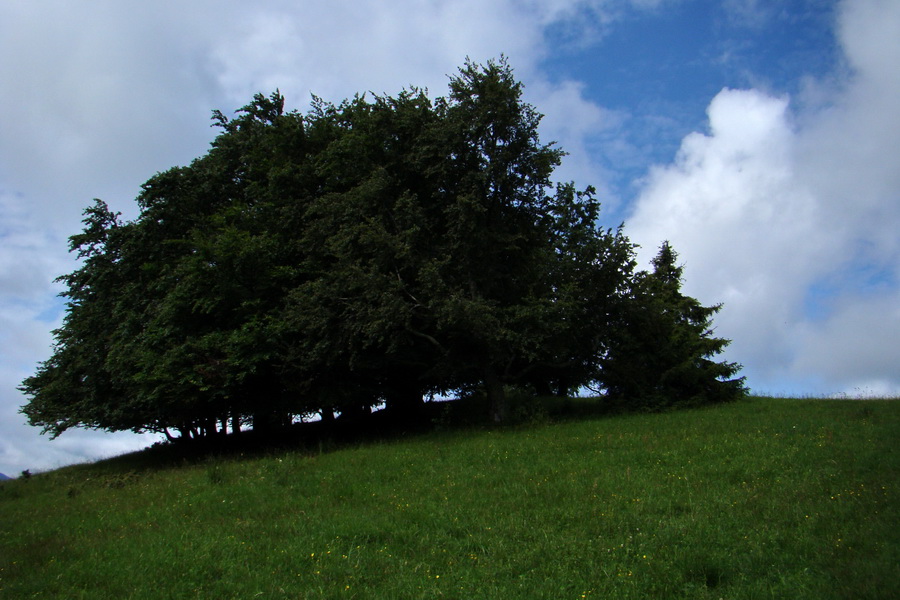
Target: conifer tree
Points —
{"points": [[662, 350]]}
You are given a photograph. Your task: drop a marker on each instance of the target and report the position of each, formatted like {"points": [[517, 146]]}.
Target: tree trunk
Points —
{"points": [[355, 412], [404, 399], [496, 396], [542, 387]]}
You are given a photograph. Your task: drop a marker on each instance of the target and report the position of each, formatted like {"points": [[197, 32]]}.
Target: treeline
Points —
{"points": [[382, 250]]}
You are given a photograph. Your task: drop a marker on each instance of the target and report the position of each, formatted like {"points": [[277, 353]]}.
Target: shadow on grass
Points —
{"points": [[466, 413], [469, 413]]}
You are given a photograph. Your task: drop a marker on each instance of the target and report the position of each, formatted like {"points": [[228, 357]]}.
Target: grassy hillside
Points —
{"points": [[764, 498]]}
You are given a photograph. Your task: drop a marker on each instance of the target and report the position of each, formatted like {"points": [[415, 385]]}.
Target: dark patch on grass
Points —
{"points": [[708, 574]]}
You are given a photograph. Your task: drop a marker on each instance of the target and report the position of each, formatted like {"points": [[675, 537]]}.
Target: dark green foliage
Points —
{"points": [[377, 251], [660, 353]]}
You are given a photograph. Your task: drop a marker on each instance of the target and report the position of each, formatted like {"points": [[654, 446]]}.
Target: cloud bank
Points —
{"points": [[787, 210]]}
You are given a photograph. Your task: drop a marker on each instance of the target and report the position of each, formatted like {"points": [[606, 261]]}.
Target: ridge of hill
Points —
{"points": [[758, 498]]}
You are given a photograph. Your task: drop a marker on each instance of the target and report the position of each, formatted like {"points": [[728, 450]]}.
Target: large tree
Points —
{"points": [[377, 250]]}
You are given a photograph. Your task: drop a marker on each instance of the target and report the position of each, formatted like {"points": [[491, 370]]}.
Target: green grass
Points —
{"points": [[763, 498]]}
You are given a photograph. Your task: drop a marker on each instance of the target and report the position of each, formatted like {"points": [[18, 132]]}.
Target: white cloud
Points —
{"points": [[575, 123], [336, 48], [733, 210], [763, 210], [857, 346], [29, 308], [97, 96]]}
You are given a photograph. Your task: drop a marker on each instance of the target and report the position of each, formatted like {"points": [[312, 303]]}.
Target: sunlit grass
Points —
{"points": [[763, 498]]}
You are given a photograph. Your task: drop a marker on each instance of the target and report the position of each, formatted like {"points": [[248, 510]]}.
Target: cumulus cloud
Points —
{"points": [[338, 48], [97, 97], [854, 346], [575, 124], [770, 206]]}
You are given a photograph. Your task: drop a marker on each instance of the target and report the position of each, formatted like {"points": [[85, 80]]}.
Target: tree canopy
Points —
{"points": [[376, 251]]}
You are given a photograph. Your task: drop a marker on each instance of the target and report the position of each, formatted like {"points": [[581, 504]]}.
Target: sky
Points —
{"points": [[760, 137]]}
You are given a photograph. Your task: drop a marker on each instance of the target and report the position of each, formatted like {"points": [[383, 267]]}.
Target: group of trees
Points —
{"points": [[377, 251]]}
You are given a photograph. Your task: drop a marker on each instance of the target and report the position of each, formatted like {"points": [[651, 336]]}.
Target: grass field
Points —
{"points": [[763, 498]]}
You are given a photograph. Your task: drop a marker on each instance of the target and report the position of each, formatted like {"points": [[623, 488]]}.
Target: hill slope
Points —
{"points": [[762, 498]]}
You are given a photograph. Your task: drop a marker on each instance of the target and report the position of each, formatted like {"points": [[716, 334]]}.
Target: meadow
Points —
{"points": [[761, 498]]}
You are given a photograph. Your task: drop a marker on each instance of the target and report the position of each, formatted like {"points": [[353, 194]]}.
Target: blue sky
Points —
{"points": [[661, 67], [758, 136]]}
